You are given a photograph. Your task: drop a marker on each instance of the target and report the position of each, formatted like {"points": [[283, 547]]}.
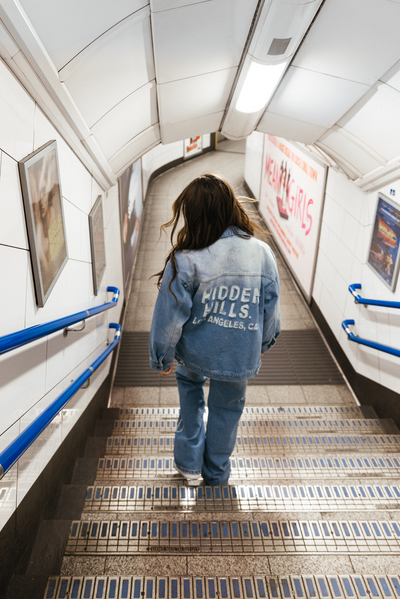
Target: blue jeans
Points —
{"points": [[198, 452]]}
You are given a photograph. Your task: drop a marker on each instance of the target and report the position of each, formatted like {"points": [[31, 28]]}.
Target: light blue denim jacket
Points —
{"points": [[226, 312]]}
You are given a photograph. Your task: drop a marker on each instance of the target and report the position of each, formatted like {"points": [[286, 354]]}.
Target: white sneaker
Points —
{"points": [[192, 480]]}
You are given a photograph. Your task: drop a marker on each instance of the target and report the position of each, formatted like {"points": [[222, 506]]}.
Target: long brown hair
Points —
{"points": [[208, 206]]}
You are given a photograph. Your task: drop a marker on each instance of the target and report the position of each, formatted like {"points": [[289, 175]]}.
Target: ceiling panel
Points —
{"points": [[276, 124], [135, 148], [278, 21], [358, 157], [315, 98], [129, 118], [351, 172], [190, 128], [160, 5], [376, 122], [190, 98], [65, 28], [200, 38], [113, 67], [355, 40], [392, 77]]}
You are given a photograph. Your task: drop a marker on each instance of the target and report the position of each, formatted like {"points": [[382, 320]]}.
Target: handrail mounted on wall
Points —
{"points": [[379, 346], [14, 451], [370, 302], [14, 340]]}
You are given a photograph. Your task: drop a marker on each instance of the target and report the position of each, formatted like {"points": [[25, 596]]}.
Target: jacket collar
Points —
{"points": [[229, 232]]}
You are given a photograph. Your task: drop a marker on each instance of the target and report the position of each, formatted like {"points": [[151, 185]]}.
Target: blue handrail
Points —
{"points": [[370, 302], [14, 451], [353, 337], [14, 340]]}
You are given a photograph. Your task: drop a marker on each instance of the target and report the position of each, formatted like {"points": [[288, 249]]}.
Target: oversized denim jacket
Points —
{"points": [[226, 311]]}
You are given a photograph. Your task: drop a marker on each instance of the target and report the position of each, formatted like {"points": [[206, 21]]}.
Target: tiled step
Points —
{"points": [[322, 586], [257, 424], [351, 411], [260, 467], [261, 442], [233, 536], [238, 498]]}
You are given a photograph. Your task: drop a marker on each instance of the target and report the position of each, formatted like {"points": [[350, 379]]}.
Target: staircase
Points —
{"points": [[310, 510], [312, 505]]}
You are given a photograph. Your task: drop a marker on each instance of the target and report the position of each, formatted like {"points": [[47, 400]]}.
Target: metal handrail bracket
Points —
{"points": [[370, 302], [379, 346], [20, 338], [17, 448]]}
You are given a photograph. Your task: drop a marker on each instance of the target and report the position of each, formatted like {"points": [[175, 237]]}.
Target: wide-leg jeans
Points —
{"points": [[197, 451]]}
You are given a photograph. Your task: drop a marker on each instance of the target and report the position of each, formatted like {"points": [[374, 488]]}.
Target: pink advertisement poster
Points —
{"points": [[291, 202]]}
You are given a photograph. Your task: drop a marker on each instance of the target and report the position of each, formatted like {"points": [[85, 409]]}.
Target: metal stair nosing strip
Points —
{"points": [[157, 426], [265, 496], [273, 444], [317, 411], [259, 467], [266, 536], [318, 586]]}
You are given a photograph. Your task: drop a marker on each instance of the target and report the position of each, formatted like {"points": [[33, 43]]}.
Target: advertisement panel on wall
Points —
{"points": [[192, 146], [131, 206], [97, 243], [291, 202], [41, 193], [384, 253]]}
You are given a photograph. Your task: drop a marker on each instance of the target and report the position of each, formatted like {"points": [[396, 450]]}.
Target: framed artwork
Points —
{"points": [[97, 244], [292, 196], [131, 208], [384, 249], [41, 193], [192, 146]]}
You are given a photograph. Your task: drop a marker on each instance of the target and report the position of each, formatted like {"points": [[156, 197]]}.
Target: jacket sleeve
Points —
{"points": [[170, 314], [272, 315]]}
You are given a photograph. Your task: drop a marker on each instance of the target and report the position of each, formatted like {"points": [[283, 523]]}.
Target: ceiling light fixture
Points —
{"points": [[259, 85], [279, 27]]}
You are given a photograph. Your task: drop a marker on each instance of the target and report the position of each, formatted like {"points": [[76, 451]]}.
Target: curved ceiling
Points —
{"points": [[342, 90], [118, 78]]}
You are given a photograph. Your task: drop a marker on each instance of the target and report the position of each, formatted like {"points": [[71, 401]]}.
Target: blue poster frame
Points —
{"points": [[384, 248]]}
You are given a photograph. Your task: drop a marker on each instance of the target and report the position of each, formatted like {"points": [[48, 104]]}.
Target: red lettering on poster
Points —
{"points": [[267, 165], [309, 217], [282, 235], [298, 161], [282, 184]]}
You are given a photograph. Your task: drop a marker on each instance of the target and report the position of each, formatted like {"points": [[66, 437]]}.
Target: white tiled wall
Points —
{"points": [[33, 376], [342, 260], [157, 157], [253, 162], [164, 154]]}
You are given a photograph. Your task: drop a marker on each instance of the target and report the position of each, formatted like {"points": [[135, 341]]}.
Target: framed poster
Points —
{"points": [[384, 249], [41, 193], [291, 202], [131, 207], [192, 146], [97, 244]]}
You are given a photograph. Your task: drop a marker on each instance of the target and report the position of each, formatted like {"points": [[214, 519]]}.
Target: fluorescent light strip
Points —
{"points": [[259, 85]]}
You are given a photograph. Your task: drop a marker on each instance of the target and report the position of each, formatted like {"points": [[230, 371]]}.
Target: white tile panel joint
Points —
{"points": [[338, 158], [9, 46], [77, 60], [378, 176], [139, 155], [359, 143]]}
